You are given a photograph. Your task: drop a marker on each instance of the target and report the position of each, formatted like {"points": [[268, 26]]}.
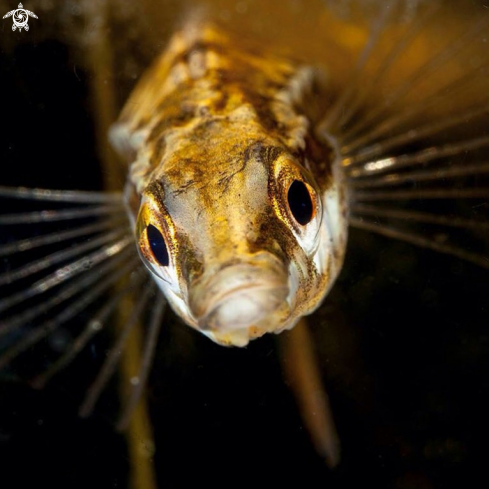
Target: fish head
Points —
{"points": [[240, 236]]}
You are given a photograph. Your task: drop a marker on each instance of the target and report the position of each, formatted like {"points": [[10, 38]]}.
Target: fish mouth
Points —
{"points": [[239, 296]]}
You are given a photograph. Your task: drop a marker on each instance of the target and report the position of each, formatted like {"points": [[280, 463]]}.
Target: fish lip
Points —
{"points": [[281, 291], [248, 282]]}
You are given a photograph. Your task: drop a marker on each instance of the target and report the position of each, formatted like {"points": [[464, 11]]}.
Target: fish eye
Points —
{"points": [[300, 202], [157, 245]]}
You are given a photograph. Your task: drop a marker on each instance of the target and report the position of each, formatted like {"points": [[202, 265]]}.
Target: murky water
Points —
{"points": [[402, 338]]}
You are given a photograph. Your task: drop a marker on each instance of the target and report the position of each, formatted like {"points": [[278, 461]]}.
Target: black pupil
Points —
{"points": [[300, 202], [157, 245]]}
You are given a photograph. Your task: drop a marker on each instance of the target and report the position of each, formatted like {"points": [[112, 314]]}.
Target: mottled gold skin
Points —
{"points": [[215, 135]]}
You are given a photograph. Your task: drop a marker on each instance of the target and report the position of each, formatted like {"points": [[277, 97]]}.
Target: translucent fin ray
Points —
{"points": [[407, 37], [421, 241], [68, 312], [65, 273], [451, 50], [416, 216], [94, 326], [60, 256], [71, 196], [330, 122], [69, 290], [413, 135], [418, 158], [56, 215], [58, 237], [414, 177], [397, 120], [470, 193]]}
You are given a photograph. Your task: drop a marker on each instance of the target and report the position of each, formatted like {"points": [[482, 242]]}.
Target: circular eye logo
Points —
{"points": [[20, 17]]}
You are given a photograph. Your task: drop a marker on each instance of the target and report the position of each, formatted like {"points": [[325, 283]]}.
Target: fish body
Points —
{"points": [[245, 196]]}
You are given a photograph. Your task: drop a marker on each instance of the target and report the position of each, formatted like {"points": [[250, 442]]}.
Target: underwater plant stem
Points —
{"points": [[101, 62], [301, 369]]}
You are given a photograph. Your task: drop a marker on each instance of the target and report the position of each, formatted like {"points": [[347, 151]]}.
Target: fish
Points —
{"points": [[238, 233], [243, 180]]}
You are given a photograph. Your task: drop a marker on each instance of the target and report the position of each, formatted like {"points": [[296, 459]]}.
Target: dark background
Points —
{"points": [[403, 341]]}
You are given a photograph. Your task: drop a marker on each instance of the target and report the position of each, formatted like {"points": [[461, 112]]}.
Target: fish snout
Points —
{"points": [[238, 296]]}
